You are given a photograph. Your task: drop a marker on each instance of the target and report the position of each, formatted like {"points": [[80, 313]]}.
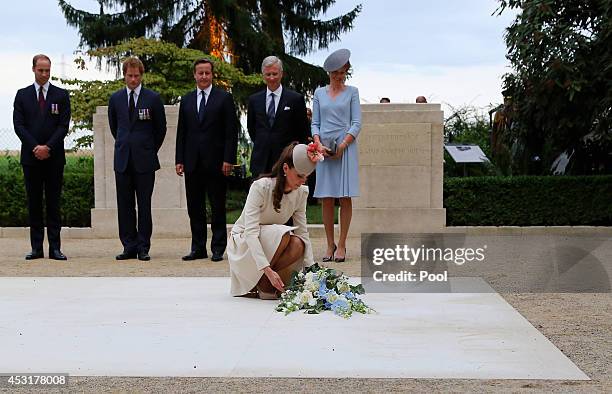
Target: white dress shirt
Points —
{"points": [[136, 94], [277, 94], [45, 89], [206, 93]]}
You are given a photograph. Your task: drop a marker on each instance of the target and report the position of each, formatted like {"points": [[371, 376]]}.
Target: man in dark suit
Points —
{"points": [[206, 146], [41, 117], [138, 123], [276, 117]]}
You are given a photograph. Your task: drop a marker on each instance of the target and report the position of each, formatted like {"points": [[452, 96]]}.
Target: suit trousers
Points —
{"points": [[198, 184], [134, 187], [44, 179]]}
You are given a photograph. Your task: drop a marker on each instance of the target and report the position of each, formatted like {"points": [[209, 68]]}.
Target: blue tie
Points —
{"points": [[271, 110], [202, 105]]}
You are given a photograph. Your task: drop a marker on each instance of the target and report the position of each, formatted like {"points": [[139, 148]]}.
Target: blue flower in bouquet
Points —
{"points": [[340, 307], [323, 289], [349, 295], [340, 303]]}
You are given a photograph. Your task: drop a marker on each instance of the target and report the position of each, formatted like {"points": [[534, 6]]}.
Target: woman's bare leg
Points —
{"points": [[289, 251], [293, 254], [346, 213], [328, 223]]}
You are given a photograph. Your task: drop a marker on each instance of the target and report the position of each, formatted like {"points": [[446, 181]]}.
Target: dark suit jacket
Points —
{"points": [[141, 138], [290, 124], [48, 128], [215, 139]]}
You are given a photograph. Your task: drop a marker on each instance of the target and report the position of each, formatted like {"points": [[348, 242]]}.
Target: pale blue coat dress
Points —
{"points": [[332, 120]]}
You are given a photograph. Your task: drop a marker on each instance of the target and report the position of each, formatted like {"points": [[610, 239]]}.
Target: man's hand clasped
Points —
{"points": [[41, 152], [227, 168]]}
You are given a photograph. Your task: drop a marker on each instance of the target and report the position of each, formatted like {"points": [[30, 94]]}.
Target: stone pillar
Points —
{"points": [[400, 170], [169, 204]]}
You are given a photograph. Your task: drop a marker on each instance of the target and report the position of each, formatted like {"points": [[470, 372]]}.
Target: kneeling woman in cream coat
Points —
{"points": [[263, 251]]}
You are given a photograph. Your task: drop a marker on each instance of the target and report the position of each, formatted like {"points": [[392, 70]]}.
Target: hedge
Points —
{"points": [[529, 201], [472, 201], [77, 199]]}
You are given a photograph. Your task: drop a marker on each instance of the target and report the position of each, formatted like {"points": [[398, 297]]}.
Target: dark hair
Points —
{"points": [[278, 173], [204, 61], [38, 57], [133, 62]]}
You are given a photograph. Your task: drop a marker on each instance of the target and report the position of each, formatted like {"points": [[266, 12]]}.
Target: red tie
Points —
{"points": [[41, 100]]}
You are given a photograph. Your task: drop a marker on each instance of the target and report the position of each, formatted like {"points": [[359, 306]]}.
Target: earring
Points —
{"points": [[285, 174]]}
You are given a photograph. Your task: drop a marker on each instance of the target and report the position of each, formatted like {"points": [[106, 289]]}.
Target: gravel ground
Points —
{"points": [[578, 324]]}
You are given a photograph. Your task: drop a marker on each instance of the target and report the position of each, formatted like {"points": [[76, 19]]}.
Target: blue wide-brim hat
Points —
{"points": [[336, 60]]}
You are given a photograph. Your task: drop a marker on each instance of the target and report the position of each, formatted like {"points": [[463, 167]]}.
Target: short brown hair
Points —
{"points": [[133, 61], [204, 61], [38, 57]]}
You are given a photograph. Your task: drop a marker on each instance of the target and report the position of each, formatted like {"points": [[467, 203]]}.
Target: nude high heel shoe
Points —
{"points": [[264, 295], [327, 259]]}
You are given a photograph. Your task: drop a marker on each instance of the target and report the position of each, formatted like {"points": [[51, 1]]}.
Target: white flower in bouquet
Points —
{"points": [[306, 297], [343, 287], [309, 277], [312, 286], [331, 297]]}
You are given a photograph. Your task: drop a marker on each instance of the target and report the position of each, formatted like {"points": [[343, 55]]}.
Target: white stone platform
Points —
{"points": [[192, 327]]}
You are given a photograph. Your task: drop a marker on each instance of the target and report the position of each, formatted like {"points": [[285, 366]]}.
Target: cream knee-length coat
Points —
{"points": [[258, 231]]}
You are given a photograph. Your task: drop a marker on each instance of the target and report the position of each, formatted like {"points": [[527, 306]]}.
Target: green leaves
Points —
{"points": [[560, 53]]}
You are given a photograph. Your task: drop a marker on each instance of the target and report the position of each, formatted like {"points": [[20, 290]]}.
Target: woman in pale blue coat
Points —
{"points": [[336, 122]]}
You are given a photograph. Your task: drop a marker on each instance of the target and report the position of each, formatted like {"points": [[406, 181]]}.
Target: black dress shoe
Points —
{"points": [[126, 256], [195, 255], [144, 256], [57, 254], [34, 254], [217, 257]]}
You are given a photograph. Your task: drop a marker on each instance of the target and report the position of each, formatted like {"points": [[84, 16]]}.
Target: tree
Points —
{"points": [[241, 31], [561, 83], [168, 71]]}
